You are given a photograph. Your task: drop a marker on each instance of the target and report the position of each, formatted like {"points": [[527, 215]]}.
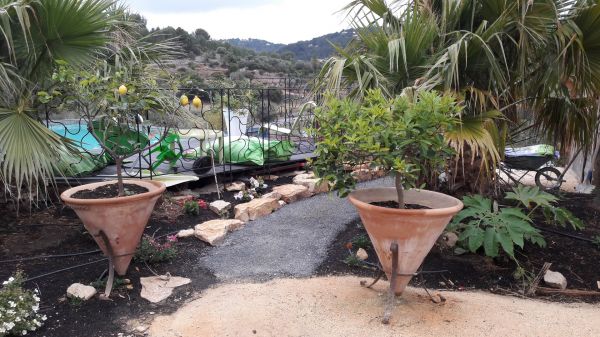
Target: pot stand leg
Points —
{"points": [[111, 269], [379, 276], [392, 291]]}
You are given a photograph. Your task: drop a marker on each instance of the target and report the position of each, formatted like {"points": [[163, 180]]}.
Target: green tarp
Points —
{"points": [[246, 150]]}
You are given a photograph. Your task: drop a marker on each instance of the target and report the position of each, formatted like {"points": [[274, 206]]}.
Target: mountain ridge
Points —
{"points": [[319, 47]]}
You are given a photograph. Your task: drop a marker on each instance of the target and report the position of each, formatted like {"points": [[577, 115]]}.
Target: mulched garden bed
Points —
{"points": [[578, 260], [56, 230]]}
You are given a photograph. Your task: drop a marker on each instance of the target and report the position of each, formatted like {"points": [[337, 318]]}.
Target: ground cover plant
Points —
{"points": [[19, 308]]}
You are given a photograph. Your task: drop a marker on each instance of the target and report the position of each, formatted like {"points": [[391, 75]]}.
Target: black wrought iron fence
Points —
{"points": [[233, 129]]}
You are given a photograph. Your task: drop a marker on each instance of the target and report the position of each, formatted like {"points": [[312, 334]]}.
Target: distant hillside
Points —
{"points": [[319, 47], [259, 46]]}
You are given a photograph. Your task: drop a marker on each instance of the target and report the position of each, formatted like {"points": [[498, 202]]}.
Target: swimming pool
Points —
{"points": [[78, 133]]}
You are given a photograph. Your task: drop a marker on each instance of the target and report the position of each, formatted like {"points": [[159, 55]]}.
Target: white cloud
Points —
{"points": [[283, 21]]}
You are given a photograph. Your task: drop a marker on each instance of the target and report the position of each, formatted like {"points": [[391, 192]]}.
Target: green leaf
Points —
{"points": [[530, 196], [506, 242], [490, 245], [475, 239]]}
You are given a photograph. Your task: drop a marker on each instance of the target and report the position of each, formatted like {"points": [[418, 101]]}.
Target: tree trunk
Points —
{"points": [[399, 191], [119, 163]]}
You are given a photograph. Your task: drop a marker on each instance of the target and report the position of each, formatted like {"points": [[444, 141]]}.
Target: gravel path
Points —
{"points": [[293, 241]]}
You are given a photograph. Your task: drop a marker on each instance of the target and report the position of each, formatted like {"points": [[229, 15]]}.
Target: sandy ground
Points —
{"points": [[338, 306]]}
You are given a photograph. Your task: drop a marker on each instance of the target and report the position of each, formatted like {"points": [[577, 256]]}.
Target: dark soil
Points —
{"points": [[576, 259], [109, 191], [29, 241], [394, 204]]}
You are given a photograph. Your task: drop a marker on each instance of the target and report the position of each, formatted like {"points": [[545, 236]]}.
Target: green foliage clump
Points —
{"points": [[484, 223], [191, 207], [151, 251], [534, 199], [19, 308], [404, 134], [361, 241]]}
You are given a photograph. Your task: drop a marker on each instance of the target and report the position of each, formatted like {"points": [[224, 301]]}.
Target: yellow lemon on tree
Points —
{"points": [[184, 101], [197, 102], [122, 90]]}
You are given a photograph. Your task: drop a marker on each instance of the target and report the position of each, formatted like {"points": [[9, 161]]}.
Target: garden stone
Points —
{"points": [[270, 177], [81, 291], [448, 240], [256, 208], [282, 203], [185, 233], [290, 192], [158, 288], [219, 206], [555, 279], [313, 184], [182, 198], [273, 195], [213, 232], [235, 186], [362, 254], [189, 192]]}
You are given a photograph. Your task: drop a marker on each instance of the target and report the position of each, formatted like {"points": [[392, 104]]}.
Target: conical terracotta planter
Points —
{"points": [[414, 230], [122, 219]]}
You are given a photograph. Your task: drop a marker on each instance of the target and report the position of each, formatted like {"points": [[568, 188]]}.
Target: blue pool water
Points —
{"points": [[79, 134]]}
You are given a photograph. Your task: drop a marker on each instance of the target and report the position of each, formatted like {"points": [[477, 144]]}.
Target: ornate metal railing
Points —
{"points": [[234, 129]]}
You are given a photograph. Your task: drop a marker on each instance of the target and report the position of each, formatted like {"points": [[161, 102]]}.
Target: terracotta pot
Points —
{"points": [[122, 219], [414, 230]]}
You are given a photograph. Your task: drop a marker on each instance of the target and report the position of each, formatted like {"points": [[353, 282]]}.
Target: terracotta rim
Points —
{"points": [[355, 198], [154, 188]]}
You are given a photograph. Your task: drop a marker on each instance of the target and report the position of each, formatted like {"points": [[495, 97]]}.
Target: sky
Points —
{"points": [[279, 21]]}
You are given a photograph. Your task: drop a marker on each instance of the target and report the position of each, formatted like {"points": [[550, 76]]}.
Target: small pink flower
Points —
{"points": [[202, 204], [172, 238]]}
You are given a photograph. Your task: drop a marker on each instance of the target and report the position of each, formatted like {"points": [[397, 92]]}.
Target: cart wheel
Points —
{"points": [[548, 178], [202, 165]]}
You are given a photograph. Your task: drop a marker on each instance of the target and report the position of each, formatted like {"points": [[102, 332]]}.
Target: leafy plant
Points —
{"points": [[352, 260], [361, 241], [19, 308], [113, 100], [404, 135], [151, 251], [534, 199], [482, 224], [191, 208], [33, 35]]}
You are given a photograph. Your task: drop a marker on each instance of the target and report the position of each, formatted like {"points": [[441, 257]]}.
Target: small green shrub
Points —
{"points": [[404, 134], [481, 223], [533, 199], [361, 241], [19, 308], [151, 251], [191, 208]]}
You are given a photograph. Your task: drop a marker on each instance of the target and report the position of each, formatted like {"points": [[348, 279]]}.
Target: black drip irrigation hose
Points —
{"points": [[41, 257], [564, 234], [76, 266], [49, 256]]}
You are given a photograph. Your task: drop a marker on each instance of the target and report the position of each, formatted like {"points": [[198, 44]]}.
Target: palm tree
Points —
{"points": [[34, 34], [505, 60]]}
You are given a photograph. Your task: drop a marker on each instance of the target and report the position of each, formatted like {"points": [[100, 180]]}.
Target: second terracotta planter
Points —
{"points": [[122, 219], [414, 230]]}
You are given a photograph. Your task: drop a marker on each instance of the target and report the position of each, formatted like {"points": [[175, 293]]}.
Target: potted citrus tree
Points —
{"points": [[404, 135], [112, 104]]}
